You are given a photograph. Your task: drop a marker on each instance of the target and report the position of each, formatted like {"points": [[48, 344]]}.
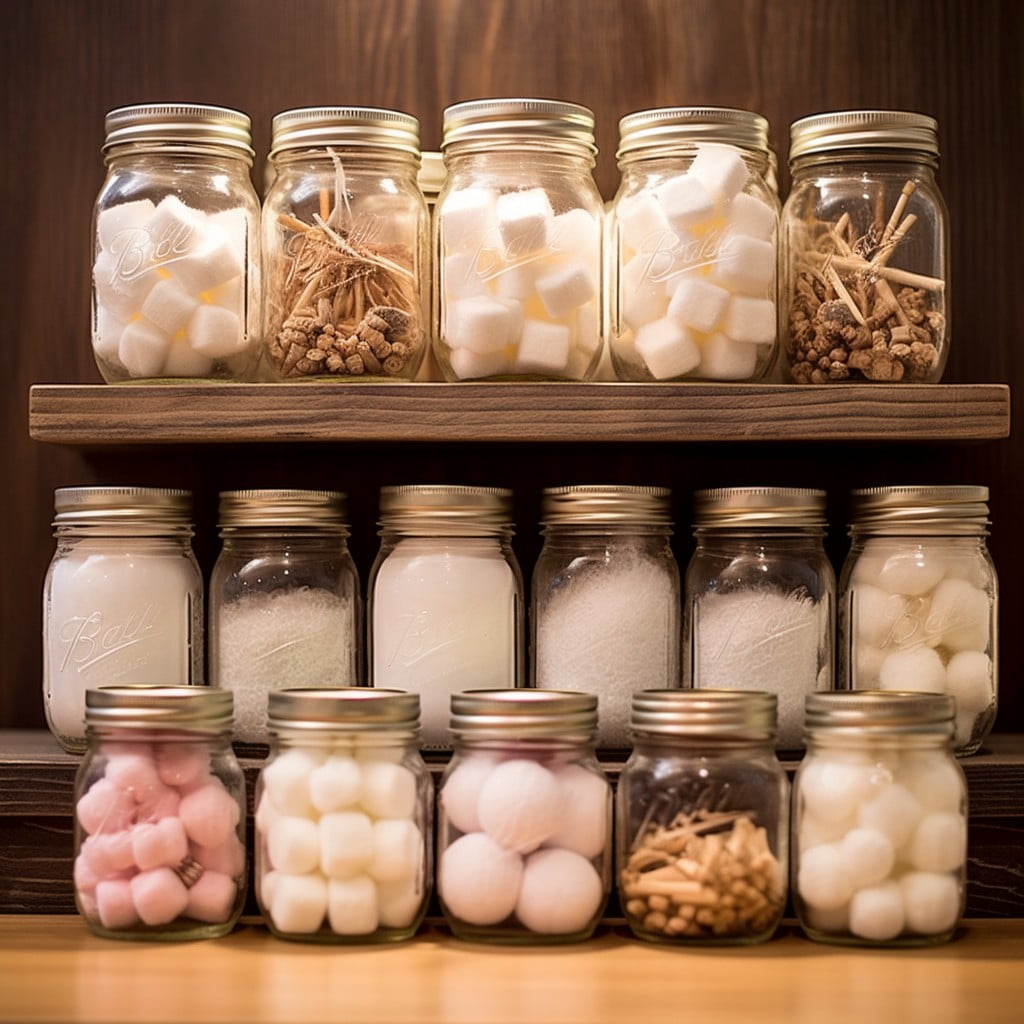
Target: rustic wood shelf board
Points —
{"points": [[514, 412]]}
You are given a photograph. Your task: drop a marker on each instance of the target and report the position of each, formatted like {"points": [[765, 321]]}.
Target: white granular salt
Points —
{"points": [[267, 641], [611, 631]]}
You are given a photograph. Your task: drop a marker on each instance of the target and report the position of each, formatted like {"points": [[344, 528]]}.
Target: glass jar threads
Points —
{"points": [[343, 816], [519, 242], [345, 243], [702, 818], [284, 600], [879, 820], [919, 600], [605, 606], [524, 818], [760, 598], [445, 597], [176, 273], [122, 598], [866, 247], [159, 814], [694, 251]]}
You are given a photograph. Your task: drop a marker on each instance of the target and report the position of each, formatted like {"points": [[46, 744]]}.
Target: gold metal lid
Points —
{"points": [[440, 503], [664, 128], [864, 129], [180, 124], [598, 504], [316, 127], [152, 706], [359, 708], [889, 710], [721, 714], [918, 508], [760, 507], [525, 714], [273, 507], [512, 122], [149, 506]]}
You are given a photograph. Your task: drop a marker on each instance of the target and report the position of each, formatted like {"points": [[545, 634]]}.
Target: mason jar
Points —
{"points": [[760, 598], [919, 599], [431, 177], [445, 597], [159, 814], [345, 242], [694, 247], [524, 818], [519, 225], [605, 610], [702, 818], [344, 807], [122, 599], [284, 602], [879, 820], [176, 267], [865, 250]]}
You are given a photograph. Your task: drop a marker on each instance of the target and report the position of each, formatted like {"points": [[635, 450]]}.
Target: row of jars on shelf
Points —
{"points": [[916, 610], [708, 837], [344, 274]]}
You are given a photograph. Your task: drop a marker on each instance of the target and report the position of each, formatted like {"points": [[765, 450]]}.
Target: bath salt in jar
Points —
{"points": [[524, 818], [694, 251], [159, 815], [122, 599], [919, 597], [702, 818], [760, 598], [605, 612], [176, 268], [285, 607], [344, 807], [879, 820], [519, 226]]}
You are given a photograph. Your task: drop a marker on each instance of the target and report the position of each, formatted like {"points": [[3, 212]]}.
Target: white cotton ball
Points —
{"points": [[397, 850], [521, 805], [939, 842], [876, 613], [400, 903], [335, 784], [822, 879], [868, 566], [352, 905], [478, 880], [935, 782], [969, 680], [918, 669], [585, 823], [868, 855], [867, 663], [345, 844], [911, 572], [388, 790], [813, 831], [560, 894], [299, 903], [834, 921], [876, 913], [460, 792], [293, 845], [893, 811], [931, 902], [960, 616], [286, 781], [832, 789]]}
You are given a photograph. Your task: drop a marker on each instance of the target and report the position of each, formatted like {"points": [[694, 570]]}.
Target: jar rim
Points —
{"points": [[360, 127], [705, 713], [105, 505], [524, 713], [159, 706], [921, 508], [282, 507], [839, 130], [890, 711], [352, 708], [186, 125], [515, 121], [645, 133], [759, 507], [596, 504]]}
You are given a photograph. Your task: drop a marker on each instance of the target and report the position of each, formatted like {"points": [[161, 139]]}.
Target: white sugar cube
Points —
{"points": [[346, 843], [185, 361], [518, 281], [480, 324], [120, 295], [230, 295], [215, 332], [543, 348], [143, 349], [720, 169], [352, 905], [747, 265], [642, 223], [174, 229], [643, 300], [565, 287], [469, 365], [685, 201], [748, 215], [115, 223], [749, 320], [721, 358], [667, 348], [698, 304], [106, 336], [465, 217], [524, 221], [576, 233], [212, 260], [168, 305], [459, 278]]}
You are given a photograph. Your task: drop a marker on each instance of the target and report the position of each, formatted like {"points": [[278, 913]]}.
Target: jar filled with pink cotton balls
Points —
{"points": [[159, 814], [524, 818]]}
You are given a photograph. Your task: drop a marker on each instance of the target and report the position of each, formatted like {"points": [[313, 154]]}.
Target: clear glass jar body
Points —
{"points": [[605, 617], [702, 826], [693, 295], [121, 604], [523, 841], [176, 272], [284, 610], [518, 243], [159, 834], [879, 838], [347, 295], [857, 303], [760, 615]]}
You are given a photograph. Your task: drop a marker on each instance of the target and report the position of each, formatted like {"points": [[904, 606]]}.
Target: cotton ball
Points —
{"points": [[585, 821], [831, 789], [521, 804], [822, 879], [918, 669], [868, 856], [460, 793], [868, 567], [478, 880], [293, 845], [939, 842], [813, 831], [834, 921], [911, 572], [299, 903], [335, 784], [286, 781], [931, 902], [388, 790], [893, 811], [969, 680], [876, 913], [561, 893], [960, 616], [867, 663], [936, 782], [876, 613]]}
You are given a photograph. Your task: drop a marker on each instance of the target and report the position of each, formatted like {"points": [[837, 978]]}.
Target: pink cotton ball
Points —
{"points": [[159, 896], [115, 905], [209, 814], [561, 893], [227, 858], [105, 808], [162, 803], [85, 878], [460, 793], [178, 764], [108, 855], [212, 898], [521, 805], [586, 821], [87, 905], [162, 844], [135, 774], [478, 880]]}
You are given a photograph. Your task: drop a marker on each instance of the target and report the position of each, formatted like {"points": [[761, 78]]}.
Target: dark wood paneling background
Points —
{"points": [[64, 63]]}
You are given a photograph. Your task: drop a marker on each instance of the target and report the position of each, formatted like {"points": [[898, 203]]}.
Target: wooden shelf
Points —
{"points": [[98, 415]]}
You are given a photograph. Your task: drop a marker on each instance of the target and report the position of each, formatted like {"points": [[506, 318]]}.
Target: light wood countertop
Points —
{"points": [[53, 969]]}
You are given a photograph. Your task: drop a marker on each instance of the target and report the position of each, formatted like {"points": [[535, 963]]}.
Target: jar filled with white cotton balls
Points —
{"points": [[702, 818], [519, 226], [605, 614], [919, 600], [524, 818], [343, 815], [879, 820], [285, 608], [760, 598], [176, 267], [694, 247]]}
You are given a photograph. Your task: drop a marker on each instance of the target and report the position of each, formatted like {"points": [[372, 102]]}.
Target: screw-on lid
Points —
{"points": [[508, 123], [646, 131], [145, 706], [594, 505], [864, 129], [315, 127], [938, 509], [406, 505], [881, 710], [180, 124], [521, 714], [760, 507], [359, 708], [721, 714], [141, 506], [293, 508]]}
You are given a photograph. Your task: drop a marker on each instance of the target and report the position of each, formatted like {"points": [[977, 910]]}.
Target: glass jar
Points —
{"points": [[605, 615], [702, 818], [519, 225], [694, 250], [760, 598], [343, 817], [122, 599], [431, 179], [865, 250], [284, 600], [345, 242], [879, 820], [159, 814], [176, 271], [919, 599], [445, 597], [524, 818]]}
